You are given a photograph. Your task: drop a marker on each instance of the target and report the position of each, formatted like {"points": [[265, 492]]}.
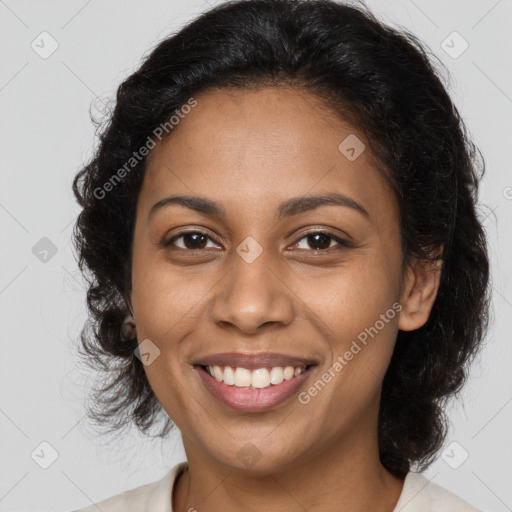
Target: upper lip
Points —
{"points": [[253, 361]]}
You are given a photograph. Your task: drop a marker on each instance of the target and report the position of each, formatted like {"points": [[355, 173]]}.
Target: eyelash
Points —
{"points": [[342, 243]]}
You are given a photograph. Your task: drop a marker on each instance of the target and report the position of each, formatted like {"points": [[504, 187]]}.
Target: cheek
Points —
{"points": [[359, 322], [355, 310], [346, 301], [167, 309], [166, 299]]}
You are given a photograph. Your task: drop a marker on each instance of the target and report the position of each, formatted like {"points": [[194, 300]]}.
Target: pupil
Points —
{"points": [[196, 237], [320, 240]]}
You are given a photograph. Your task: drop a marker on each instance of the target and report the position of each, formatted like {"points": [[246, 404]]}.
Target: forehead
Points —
{"points": [[255, 148]]}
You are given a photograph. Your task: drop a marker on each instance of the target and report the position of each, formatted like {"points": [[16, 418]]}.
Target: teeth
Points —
{"points": [[288, 372], [258, 378], [229, 376], [276, 375], [242, 378], [298, 371], [218, 373]]}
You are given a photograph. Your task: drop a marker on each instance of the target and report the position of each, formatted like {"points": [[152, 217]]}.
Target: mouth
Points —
{"points": [[254, 389]]}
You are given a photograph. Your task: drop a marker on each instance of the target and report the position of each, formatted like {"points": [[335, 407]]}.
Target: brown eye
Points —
{"points": [[321, 240], [191, 240]]}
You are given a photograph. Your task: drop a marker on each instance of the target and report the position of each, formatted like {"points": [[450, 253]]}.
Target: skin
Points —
{"points": [[250, 150]]}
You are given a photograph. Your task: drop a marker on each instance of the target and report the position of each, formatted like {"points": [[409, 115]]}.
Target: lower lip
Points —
{"points": [[249, 399]]}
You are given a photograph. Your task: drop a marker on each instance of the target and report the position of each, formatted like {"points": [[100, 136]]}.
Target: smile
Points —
{"points": [[257, 378], [253, 390]]}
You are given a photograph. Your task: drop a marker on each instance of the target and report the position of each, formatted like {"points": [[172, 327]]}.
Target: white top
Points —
{"points": [[418, 495]]}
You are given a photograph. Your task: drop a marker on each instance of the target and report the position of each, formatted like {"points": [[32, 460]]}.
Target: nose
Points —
{"points": [[252, 297]]}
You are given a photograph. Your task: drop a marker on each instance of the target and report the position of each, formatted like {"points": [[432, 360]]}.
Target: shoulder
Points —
{"points": [[154, 497], [419, 494]]}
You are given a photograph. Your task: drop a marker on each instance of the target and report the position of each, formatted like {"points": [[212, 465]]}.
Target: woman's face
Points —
{"points": [[256, 276]]}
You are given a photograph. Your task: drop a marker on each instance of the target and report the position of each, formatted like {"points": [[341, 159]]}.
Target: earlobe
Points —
{"points": [[419, 292]]}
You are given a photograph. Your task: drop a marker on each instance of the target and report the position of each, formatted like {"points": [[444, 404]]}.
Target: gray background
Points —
{"points": [[46, 136]]}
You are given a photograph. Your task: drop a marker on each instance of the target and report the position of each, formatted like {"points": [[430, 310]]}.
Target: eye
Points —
{"points": [[315, 240], [192, 240], [321, 240]]}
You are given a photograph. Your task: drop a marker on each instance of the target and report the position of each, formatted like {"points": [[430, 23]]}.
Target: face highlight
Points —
{"points": [[255, 234]]}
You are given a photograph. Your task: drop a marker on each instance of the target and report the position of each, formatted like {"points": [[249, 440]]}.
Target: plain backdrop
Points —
{"points": [[46, 135]]}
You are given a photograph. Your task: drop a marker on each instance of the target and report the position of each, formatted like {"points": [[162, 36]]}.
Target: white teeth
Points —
{"points": [[297, 371], [218, 373], [229, 375], [242, 378], [276, 375], [258, 378], [288, 372]]}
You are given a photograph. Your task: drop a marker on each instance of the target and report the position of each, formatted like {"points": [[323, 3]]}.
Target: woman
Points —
{"points": [[280, 222]]}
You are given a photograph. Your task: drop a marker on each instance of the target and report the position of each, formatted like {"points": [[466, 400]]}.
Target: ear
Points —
{"points": [[421, 283]]}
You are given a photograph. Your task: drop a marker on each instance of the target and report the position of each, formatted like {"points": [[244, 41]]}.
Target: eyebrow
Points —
{"points": [[288, 208]]}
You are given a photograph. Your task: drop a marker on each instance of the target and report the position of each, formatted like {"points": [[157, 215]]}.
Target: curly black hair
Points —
{"points": [[380, 79]]}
